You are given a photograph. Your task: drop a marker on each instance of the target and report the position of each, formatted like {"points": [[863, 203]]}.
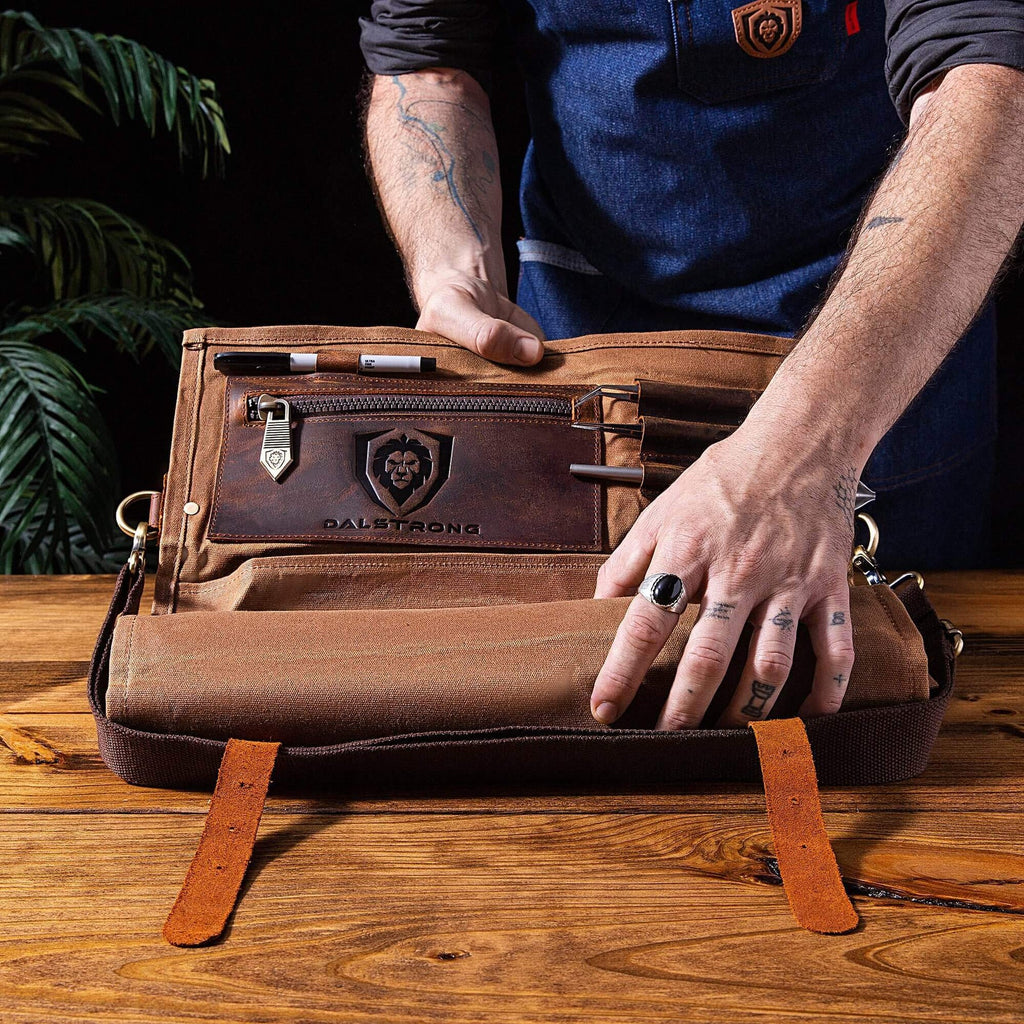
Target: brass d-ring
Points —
{"points": [[122, 523], [872, 545]]}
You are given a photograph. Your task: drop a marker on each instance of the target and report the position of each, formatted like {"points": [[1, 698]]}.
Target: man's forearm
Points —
{"points": [[930, 244], [434, 163]]}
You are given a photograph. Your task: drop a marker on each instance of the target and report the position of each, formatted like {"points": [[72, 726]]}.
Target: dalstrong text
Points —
{"points": [[401, 526]]}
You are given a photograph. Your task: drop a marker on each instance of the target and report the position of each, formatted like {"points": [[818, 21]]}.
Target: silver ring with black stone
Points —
{"points": [[665, 591]]}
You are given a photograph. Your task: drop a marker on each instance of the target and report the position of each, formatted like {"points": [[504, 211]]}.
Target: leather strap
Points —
{"points": [[807, 863], [214, 878], [156, 503]]}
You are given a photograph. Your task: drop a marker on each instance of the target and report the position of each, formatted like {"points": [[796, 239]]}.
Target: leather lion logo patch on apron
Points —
{"points": [[402, 469], [768, 28]]}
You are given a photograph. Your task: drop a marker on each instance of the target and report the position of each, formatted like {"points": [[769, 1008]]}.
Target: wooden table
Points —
{"points": [[507, 908]]}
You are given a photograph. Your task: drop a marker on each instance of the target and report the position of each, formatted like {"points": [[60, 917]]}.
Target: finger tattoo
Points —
{"points": [[754, 708], [839, 679], [783, 618], [718, 610], [838, 619]]}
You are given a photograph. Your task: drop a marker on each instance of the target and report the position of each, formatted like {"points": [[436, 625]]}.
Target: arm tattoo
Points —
{"points": [[783, 618], [718, 610], [754, 708], [431, 131], [838, 619], [880, 222], [846, 494]]}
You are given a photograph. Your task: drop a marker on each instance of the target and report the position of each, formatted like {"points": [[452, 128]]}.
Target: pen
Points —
{"points": [[631, 475], [255, 364]]}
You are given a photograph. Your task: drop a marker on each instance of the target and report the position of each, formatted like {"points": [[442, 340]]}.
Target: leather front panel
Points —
{"points": [[479, 480]]}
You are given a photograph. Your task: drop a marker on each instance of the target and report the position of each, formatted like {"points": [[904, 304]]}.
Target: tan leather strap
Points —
{"points": [[214, 878], [156, 502], [810, 874]]}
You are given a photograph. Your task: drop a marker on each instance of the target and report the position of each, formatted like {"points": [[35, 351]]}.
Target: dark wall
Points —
{"points": [[291, 233]]}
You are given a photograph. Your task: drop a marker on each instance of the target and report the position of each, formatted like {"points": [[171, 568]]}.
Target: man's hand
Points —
{"points": [[472, 312], [755, 528], [434, 159], [758, 531]]}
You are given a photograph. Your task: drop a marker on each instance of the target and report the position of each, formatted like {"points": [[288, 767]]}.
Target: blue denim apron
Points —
{"points": [[676, 182]]}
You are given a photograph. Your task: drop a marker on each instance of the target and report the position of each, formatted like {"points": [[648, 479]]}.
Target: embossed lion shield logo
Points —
{"points": [[768, 28], [402, 469]]}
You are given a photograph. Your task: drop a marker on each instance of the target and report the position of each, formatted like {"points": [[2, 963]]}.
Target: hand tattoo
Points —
{"points": [[754, 708], [783, 618], [838, 619], [846, 494], [718, 610]]}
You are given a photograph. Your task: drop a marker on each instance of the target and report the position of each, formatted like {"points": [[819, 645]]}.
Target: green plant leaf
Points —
{"points": [[102, 70], [88, 248], [13, 238], [59, 463], [134, 325], [133, 79]]}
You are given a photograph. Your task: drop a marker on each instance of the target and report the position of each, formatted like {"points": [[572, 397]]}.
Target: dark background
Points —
{"points": [[291, 233]]}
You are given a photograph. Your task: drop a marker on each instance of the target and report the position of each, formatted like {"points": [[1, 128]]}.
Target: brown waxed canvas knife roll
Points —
{"points": [[319, 677], [368, 582]]}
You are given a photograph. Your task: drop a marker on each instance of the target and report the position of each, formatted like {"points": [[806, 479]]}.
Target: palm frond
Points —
{"points": [[14, 238], [134, 81], [87, 248], [58, 470], [77, 556], [134, 325]]}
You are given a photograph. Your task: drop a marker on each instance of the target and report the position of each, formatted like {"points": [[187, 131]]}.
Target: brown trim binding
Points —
{"points": [[201, 911], [810, 874]]}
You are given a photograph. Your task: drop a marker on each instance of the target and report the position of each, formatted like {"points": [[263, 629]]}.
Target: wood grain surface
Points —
{"points": [[508, 906]]}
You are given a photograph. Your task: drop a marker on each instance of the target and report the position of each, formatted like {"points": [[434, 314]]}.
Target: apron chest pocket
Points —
{"points": [[727, 50]]}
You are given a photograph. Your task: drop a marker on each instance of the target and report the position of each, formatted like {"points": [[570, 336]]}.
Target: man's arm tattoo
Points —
{"points": [[431, 131], [754, 708], [880, 222]]}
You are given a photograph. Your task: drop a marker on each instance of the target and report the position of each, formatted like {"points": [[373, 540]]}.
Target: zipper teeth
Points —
{"points": [[326, 404]]}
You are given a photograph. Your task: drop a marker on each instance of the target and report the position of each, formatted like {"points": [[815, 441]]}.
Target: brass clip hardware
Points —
{"points": [[139, 534], [863, 558], [956, 637], [912, 575]]}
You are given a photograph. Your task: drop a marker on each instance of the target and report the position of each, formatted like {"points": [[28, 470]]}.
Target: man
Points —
{"points": [[702, 163]]}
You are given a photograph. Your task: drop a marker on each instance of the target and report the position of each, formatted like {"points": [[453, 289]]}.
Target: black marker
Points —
{"points": [[273, 364]]}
